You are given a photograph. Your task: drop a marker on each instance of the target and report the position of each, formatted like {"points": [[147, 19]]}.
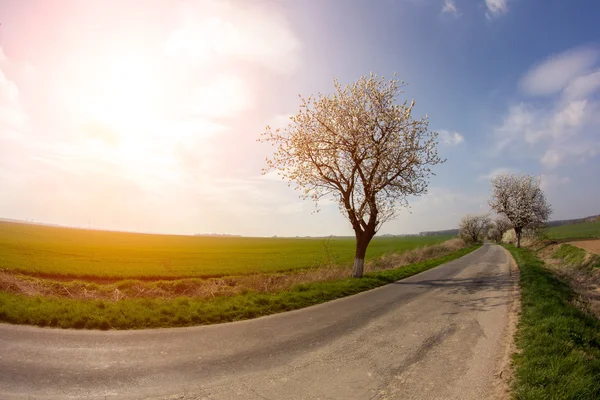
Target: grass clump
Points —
{"points": [[570, 254], [574, 257], [559, 344], [185, 311]]}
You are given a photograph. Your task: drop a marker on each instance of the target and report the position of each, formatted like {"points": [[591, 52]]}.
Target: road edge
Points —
{"points": [[505, 373]]}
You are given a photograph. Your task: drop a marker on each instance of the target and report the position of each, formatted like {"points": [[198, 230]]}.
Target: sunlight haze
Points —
{"points": [[144, 115]]}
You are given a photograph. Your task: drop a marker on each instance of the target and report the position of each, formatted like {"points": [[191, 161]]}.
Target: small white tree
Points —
{"points": [[494, 234], [361, 147], [473, 227], [502, 224], [497, 228], [521, 200]]}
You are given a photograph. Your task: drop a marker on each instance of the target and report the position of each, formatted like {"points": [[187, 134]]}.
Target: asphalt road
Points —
{"points": [[440, 334]]}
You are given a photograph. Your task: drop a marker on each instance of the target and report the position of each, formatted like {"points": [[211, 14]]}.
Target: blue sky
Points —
{"points": [[122, 116]]}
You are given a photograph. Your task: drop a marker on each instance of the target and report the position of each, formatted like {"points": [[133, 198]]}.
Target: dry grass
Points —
{"points": [[395, 260], [209, 288]]}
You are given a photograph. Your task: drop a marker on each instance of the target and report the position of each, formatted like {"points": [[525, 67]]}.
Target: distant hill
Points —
{"points": [[453, 232], [549, 224], [560, 222]]}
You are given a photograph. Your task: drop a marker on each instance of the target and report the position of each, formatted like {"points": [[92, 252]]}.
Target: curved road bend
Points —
{"points": [[436, 335]]}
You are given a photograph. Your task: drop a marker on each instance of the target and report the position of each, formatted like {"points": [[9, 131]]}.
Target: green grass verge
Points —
{"points": [[583, 230], [48, 250], [559, 344], [158, 313], [570, 254], [573, 256]]}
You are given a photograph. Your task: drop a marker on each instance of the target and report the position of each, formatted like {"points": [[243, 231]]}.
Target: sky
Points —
{"points": [[144, 115]]}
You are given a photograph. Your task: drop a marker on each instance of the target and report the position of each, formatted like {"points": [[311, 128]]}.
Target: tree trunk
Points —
{"points": [[518, 233], [362, 242]]}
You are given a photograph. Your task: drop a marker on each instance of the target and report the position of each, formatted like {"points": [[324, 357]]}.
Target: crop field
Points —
{"points": [[584, 230], [67, 252]]}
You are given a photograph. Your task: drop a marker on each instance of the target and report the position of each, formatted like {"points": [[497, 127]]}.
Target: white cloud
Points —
{"points": [[496, 8], [530, 124], [12, 115], [556, 134], [271, 176], [518, 123], [573, 151], [571, 116], [555, 73], [552, 158], [280, 121], [563, 129], [216, 30], [496, 172], [583, 86], [552, 181], [225, 96], [449, 7], [451, 138]]}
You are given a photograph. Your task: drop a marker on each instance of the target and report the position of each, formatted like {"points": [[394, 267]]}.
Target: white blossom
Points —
{"points": [[473, 227], [520, 199], [360, 147]]}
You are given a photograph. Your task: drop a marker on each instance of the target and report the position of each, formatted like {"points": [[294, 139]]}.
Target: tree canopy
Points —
{"points": [[360, 147], [521, 200]]}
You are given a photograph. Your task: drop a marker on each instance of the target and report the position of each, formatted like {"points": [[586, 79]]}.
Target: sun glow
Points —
{"points": [[121, 116], [124, 95], [153, 110]]}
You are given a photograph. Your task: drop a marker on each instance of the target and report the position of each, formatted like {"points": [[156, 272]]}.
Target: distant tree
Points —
{"points": [[521, 200], [473, 227], [498, 228], [502, 224], [360, 147], [494, 234]]}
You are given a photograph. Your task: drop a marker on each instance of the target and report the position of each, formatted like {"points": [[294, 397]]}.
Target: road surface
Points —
{"points": [[441, 334]]}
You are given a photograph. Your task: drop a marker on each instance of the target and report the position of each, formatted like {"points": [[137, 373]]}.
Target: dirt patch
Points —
{"points": [[84, 289], [592, 246]]}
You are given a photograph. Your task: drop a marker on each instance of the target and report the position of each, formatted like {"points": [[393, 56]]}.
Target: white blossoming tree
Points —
{"points": [[473, 227], [521, 200], [359, 147], [494, 234], [498, 228], [502, 224]]}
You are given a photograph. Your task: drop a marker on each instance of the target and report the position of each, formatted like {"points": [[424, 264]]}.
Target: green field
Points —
{"points": [[584, 230], [185, 311], [87, 253]]}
